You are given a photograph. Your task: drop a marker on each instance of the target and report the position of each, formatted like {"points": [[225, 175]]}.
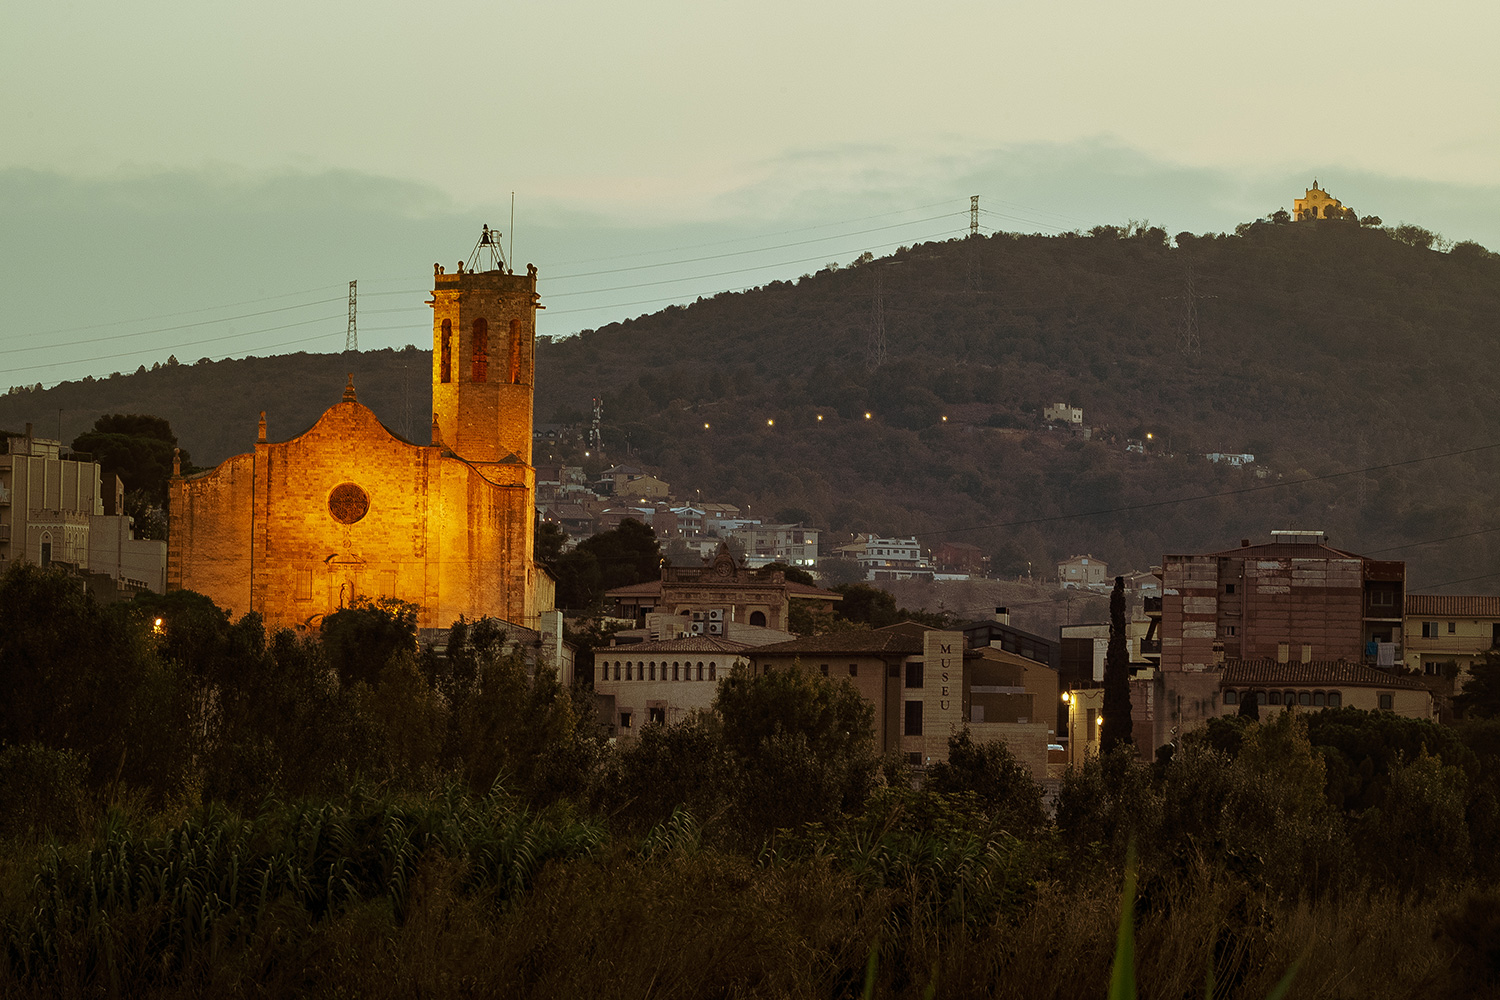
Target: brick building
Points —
{"points": [[300, 527]]}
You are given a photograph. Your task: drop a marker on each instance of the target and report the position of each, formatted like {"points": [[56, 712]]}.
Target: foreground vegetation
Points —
{"points": [[209, 810]]}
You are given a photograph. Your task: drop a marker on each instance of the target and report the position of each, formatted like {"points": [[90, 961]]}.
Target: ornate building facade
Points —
{"points": [[301, 527]]}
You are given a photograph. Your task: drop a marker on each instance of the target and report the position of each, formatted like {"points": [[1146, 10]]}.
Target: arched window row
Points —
{"points": [[674, 670], [1302, 699]]}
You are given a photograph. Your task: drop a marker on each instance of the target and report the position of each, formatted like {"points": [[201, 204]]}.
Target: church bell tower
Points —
{"points": [[484, 355]]}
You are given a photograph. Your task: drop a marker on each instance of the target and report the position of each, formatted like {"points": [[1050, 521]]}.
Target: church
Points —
{"points": [[301, 527]]}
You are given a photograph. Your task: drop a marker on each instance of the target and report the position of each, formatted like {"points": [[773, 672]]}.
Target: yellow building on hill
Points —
{"points": [[303, 526], [1319, 204]]}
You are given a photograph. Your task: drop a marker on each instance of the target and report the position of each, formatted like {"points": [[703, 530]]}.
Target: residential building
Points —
{"points": [[661, 681], [889, 558], [631, 483], [1447, 634], [53, 512], [1062, 413], [1084, 571], [1293, 600], [791, 544], [720, 591], [925, 686], [1238, 461], [1322, 684], [960, 558]]}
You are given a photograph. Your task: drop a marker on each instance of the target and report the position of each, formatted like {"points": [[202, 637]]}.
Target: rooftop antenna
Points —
{"points": [[488, 254], [512, 253], [351, 339]]}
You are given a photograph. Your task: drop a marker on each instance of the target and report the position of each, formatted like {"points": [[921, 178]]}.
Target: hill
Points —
{"points": [[1323, 349]]}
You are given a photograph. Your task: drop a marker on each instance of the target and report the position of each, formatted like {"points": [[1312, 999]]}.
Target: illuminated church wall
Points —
{"points": [[301, 527]]}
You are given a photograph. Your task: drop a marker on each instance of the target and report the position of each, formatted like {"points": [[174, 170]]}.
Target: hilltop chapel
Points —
{"points": [[299, 528]]}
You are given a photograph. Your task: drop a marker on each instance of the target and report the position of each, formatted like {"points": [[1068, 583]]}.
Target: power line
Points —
{"points": [[1211, 496], [173, 348], [169, 329], [184, 312], [741, 253]]}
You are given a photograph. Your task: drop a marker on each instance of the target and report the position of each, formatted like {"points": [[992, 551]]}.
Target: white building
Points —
{"points": [[1062, 413]]}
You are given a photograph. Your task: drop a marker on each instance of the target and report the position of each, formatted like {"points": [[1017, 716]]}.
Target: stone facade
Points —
{"points": [[301, 527]]}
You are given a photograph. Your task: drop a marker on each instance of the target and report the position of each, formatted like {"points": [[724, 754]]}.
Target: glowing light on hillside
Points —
{"points": [[867, 414]]}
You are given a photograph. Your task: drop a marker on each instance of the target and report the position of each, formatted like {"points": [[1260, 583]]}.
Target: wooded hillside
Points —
{"points": [[1324, 348]]}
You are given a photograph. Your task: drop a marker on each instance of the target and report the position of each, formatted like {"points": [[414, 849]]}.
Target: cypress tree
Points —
{"points": [[1117, 724]]}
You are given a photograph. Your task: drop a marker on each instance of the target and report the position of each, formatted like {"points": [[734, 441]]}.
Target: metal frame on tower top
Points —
{"points": [[488, 254]]}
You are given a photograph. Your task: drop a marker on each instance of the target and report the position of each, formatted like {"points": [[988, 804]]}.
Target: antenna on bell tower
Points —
{"points": [[488, 254], [351, 339]]}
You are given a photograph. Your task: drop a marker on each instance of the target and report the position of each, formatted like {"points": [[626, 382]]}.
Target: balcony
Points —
{"points": [[1152, 605], [1150, 647], [4, 497]]}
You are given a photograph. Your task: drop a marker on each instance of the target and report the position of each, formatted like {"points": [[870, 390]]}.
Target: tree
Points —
{"points": [[616, 558], [549, 542], [136, 447], [805, 744], [1117, 722], [362, 638], [1480, 698], [1004, 786], [1249, 706]]}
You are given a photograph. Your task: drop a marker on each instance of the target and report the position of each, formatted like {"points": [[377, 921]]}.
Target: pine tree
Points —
{"points": [[1117, 724]]}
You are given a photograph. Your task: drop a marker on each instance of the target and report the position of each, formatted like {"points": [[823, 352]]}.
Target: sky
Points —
{"points": [[204, 180]]}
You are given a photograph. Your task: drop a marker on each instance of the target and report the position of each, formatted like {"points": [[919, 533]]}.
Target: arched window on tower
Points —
{"points": [[515, 352], [46, 549], [758, 618], [445, 373], [481, 349]]}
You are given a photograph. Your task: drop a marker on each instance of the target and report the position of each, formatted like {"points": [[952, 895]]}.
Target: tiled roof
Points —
{"points": [[1455, 606], [653, 588], [689, 644], [904, 639], [1319, 672], [803, 590]]}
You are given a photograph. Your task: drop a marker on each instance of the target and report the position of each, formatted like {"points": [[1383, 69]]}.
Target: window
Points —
{"points": [[913, 719], [1382, 598], [1229, 630], [46, 549], [446, 373], [1228, 588], [1335, 699], [713, 673], [1318, 699], [627, 671], [304, 585], [624, 720], [676, 674], [758, 618], [1429, 630], [658, 715], [1387, 702], [854, 670], [1231, 697], [1260, 697], [1304, 698], [700, 670], [1275, 698], [617, 670], [653, 670], [1289, 698], [481, 350], [515, 351], [823, 669], [914, 675], [1452, 627]]}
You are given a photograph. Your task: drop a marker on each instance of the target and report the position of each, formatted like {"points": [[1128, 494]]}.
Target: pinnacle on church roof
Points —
{"points": [[349, 396]]}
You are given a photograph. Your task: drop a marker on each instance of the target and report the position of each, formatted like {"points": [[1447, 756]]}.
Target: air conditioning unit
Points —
{"points": [[715, 628], [716, 615], [697, 628]]}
